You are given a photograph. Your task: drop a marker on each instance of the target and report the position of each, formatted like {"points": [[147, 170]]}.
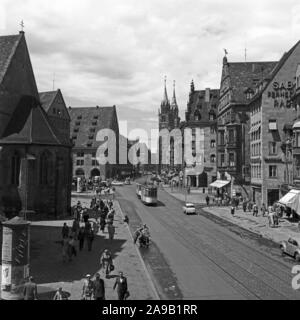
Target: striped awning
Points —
{"points": [[219, 184], [254, 128]]}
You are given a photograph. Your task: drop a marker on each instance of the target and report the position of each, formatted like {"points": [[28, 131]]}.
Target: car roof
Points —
{"points": [[190, 204]]}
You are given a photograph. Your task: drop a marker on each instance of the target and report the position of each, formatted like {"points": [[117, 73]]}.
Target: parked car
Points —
{"points": [[189, 208], [291, 248]]}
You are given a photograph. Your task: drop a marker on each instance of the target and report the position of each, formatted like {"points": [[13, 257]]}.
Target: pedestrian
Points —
{"points": [[111, 231], [111, 217], [75, 229], [99, 288], [88, 288], [263, 210], [85, 216], [106, 262], [244, 206], [59, 295], [65, 231], [271, 217], [81, 236], [255, 210], [72, 247], [90, 239], [232, 210], [207, 200], [122, 287], [30, 290]]}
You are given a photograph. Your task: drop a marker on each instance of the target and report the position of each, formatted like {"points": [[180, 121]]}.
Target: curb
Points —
{"points": [[157, 297], [263, 235]]}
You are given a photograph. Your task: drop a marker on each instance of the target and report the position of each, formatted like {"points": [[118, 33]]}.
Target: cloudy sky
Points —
{"points": [[117, 52]]}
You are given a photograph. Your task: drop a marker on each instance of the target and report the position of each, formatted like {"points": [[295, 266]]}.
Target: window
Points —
{"points": [[15, 169], [212, 130], [80, 154], [54, 110], [77, 123], [94, 163], [231, 160], [94, 123], [91, 137], [96, 117], [212, 158], [272, 125], [79, 117], [213, 143], [89, 144], [272, 148], [231, 136], [272, 171], [222, 160], [94, 155], [80, 162], [92, 130], [74, 136], [222, 138], [76, 130]]}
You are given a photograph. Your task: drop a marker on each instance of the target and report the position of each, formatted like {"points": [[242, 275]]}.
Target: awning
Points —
{"points": [[290, 198], [220, 184], [254, 128]]}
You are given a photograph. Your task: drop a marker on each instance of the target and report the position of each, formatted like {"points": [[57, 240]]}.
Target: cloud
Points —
{"points": [[115, 52]]}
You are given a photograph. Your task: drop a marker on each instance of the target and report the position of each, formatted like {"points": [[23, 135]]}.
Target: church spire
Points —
{"points": [[165, 101], [174, 101]]}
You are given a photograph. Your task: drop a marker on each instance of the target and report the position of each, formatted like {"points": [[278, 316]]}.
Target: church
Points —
{"points": [[35, 149]]}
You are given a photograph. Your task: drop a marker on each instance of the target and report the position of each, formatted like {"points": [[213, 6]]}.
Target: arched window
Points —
{"points": [[95, 173], [212, 158], [15, 169]]}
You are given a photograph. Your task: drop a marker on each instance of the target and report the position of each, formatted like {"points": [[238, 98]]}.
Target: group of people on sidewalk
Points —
{"points": [[95, 289]]}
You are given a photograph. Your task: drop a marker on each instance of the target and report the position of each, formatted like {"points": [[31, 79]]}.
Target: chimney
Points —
{"points": [[207, 95]]}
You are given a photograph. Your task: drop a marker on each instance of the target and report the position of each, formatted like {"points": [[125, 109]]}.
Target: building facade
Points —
{"points": [[85, 125], [34, 162], [233, 142], [201, 114], [272, 117], [168, 120]]}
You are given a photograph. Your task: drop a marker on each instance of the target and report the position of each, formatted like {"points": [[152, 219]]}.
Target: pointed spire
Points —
{"points": [[174, 101], [165, 100]]}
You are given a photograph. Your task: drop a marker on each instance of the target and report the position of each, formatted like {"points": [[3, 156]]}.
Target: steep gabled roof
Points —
{"points": [[245, 75], [96, 118], [29, 125], [8, 46], [47, 99]]}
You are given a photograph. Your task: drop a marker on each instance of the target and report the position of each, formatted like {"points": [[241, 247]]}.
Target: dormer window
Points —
{"points": [[249, 94]]}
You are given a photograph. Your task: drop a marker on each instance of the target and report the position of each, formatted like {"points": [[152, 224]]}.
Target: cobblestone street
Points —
{"points": [[51, 272]]}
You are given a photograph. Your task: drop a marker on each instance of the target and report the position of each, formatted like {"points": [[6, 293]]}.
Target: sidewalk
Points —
{"points": [[196, 196], [51, 272], [259, 225]]}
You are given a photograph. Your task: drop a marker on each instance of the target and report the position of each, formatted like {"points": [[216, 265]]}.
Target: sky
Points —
{"points": [[117, 52]]}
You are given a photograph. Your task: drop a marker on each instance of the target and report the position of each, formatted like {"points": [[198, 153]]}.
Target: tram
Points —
{"points": [[147, 193]]}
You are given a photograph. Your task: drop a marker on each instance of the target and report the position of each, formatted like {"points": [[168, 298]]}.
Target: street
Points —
{"points": [[196, 257]]}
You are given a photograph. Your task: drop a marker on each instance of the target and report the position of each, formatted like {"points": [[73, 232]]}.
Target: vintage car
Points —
{"points": [[291, 248], [189, 208]]}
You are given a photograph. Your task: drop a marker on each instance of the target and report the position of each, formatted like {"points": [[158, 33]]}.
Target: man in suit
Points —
{"points": [[121, 285], [30, 290], [99, 288]]}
